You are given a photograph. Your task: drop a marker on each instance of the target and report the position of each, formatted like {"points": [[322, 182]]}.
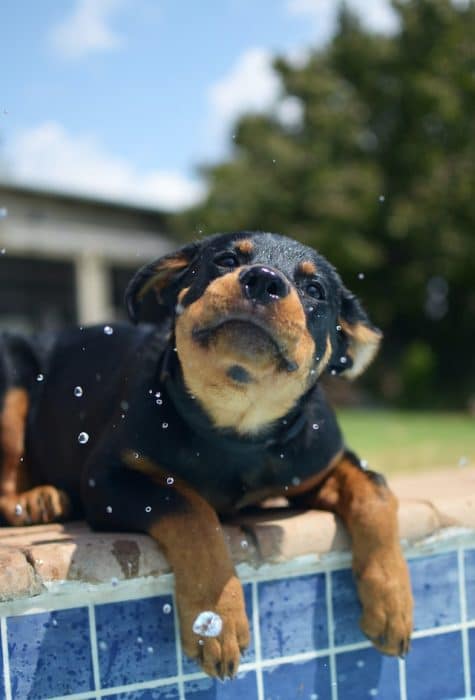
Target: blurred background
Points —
{"points": [[128, 126]]}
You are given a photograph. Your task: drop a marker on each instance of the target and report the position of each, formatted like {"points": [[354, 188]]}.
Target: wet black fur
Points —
{"points": [[134, 401]]}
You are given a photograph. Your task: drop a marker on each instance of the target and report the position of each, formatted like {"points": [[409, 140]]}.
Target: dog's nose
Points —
{"points": [[263, 285]]}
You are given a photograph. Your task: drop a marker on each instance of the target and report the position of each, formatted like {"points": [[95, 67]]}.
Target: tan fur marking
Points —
{"points": [[363, 346], [369, 511], [165, 270], [307, 267], [273, 391], [288, 491], [244, 246], [12, 437], [193, 543]]}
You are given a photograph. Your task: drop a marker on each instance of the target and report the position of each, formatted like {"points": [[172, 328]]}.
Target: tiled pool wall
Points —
{"points": [[306, 644]]}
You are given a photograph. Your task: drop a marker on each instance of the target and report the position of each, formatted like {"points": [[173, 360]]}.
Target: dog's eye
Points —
{"points": [[315, 290], [226, 260]]}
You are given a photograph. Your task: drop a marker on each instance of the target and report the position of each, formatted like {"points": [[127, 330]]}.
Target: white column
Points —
{"points": [[93, 293]]}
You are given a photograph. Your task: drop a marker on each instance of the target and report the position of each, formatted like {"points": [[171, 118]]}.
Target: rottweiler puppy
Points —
{"points": [[165, 428]]}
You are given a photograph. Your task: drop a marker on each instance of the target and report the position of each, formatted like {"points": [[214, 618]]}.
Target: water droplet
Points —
{"points": [[91, 483], [343, 360], [150, 650], [78, 391], [167, 608], [360, 663], [382, 198], [102, 645], [314, 696], [333, 372], [315, 426], [108, 509], [157, 394], [40, 377], [139, 640], [150, 391], [54, 622], [3, 251], [197, 454], [338, 327], [164, 426], [295, 481], [361, 275], [108, 330], [148, 509], [3, 212], [18, 509], [274, 160], [364, 464], [83, 438], [244, 544], [124, 405], [373, 692], [159, 402], [114, 581], [170, 480], [208, 624], [281, 455]]}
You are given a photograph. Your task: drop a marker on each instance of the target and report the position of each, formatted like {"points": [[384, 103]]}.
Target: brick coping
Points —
{"points": [[34, 558]]}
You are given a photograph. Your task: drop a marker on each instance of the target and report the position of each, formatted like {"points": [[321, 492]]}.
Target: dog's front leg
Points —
{"points": [[369, 510], [138, 495]]}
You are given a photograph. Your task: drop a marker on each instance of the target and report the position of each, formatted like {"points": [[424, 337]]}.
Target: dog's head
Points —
{"points": [[258, 317]]}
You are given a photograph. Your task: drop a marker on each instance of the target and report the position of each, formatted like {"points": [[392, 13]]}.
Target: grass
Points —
{"points": [[397, 441]]}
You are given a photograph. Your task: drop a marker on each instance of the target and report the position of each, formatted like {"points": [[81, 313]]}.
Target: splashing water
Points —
{"points": [[208, 624]]}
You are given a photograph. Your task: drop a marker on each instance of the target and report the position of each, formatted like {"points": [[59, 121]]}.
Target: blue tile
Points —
{"points": [[470, 582], [243, 686], [136, 641], [471, 646], [50, 654], [434, 668], [365, 674], [298, 681], [346, 609], [2, 686], [435, 586], [166, 692], [292, 615], [190, 666]]}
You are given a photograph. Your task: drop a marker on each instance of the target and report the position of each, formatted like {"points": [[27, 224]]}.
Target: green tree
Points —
{"points": [[378, 175]]}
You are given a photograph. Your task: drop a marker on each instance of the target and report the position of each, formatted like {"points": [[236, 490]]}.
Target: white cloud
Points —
{"points": [[375, 14], [87, 29], [251, 85], [48, 156]]}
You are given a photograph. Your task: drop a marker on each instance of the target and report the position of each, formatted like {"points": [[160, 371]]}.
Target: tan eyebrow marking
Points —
{"points": [[245, 246], [307, 267]]}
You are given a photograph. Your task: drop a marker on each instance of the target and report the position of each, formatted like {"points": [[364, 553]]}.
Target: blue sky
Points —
{"points": [[124, 98]]}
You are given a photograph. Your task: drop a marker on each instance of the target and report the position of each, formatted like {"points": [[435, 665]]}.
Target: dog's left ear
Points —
{"points": [[357, 340], [165, 276]]}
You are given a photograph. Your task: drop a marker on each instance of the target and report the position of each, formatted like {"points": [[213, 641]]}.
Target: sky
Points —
{"points": [[125, 99]]}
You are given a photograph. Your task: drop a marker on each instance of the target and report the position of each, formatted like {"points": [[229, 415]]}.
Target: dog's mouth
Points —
{"points": [[248, 336]]}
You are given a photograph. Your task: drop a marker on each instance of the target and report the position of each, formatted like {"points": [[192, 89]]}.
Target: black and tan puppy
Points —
{"points": [[216, 407]]}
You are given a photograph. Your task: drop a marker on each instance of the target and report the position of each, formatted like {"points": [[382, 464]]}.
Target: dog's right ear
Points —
{"points": [[164, 276]]}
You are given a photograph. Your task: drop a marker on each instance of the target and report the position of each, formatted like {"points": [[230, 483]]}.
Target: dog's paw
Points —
{"points": [[384, 589], [43, 504], [216, 635]]}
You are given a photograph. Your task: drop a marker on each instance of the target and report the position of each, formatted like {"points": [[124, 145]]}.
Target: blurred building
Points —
{"points": [[67, 259]]}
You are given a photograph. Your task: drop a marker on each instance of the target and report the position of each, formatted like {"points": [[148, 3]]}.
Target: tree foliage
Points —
{"points": [[377, 174]]}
